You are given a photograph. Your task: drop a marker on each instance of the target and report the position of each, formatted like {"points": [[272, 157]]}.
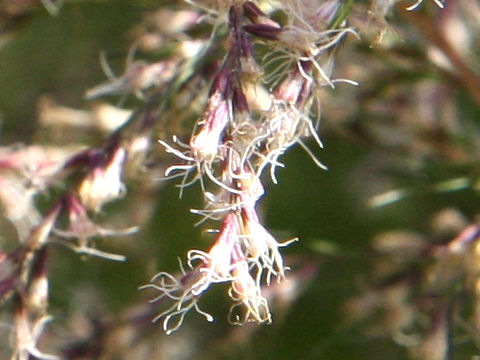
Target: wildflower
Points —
{"points": [[81, 227], [103, 183], [183, 292], [224, 262], [247, 294], [306, 33], [213, 267], [287, 122], [261, 247], [205, 144], [217, 262]]}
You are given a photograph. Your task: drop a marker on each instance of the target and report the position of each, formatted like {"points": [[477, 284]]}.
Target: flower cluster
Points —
{"points": [[27, 172], [239, 136], [252, 116], [244, 254], [262, 98]]}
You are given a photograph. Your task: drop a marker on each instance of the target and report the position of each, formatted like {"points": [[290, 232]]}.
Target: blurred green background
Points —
{"points": [[328, 210]]}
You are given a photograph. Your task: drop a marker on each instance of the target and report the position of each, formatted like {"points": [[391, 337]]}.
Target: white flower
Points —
{"points": [[103, 182]]}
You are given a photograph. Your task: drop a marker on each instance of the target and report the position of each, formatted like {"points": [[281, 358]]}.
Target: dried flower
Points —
{"points": [[246, 292], [82, 228], [103, 181]]}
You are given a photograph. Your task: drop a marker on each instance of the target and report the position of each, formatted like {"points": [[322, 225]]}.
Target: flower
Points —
{"points": [[185, 293], [205, 144], [83, 228], [261, 248], [217, 262], [103, 181], [213, 267], [246, 293]]}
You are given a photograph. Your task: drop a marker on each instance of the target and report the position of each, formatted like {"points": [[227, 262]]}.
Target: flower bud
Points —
{"points": [[265, 31], [103, 183]]}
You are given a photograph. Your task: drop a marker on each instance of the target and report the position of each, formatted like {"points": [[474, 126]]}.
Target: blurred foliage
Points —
{"points": [[411, 127]]}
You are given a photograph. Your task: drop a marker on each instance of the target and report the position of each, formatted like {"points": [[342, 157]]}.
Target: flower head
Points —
{"points": [[247, 294], [205, 144], [82, 228], [103, 181], [261, 247]]}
